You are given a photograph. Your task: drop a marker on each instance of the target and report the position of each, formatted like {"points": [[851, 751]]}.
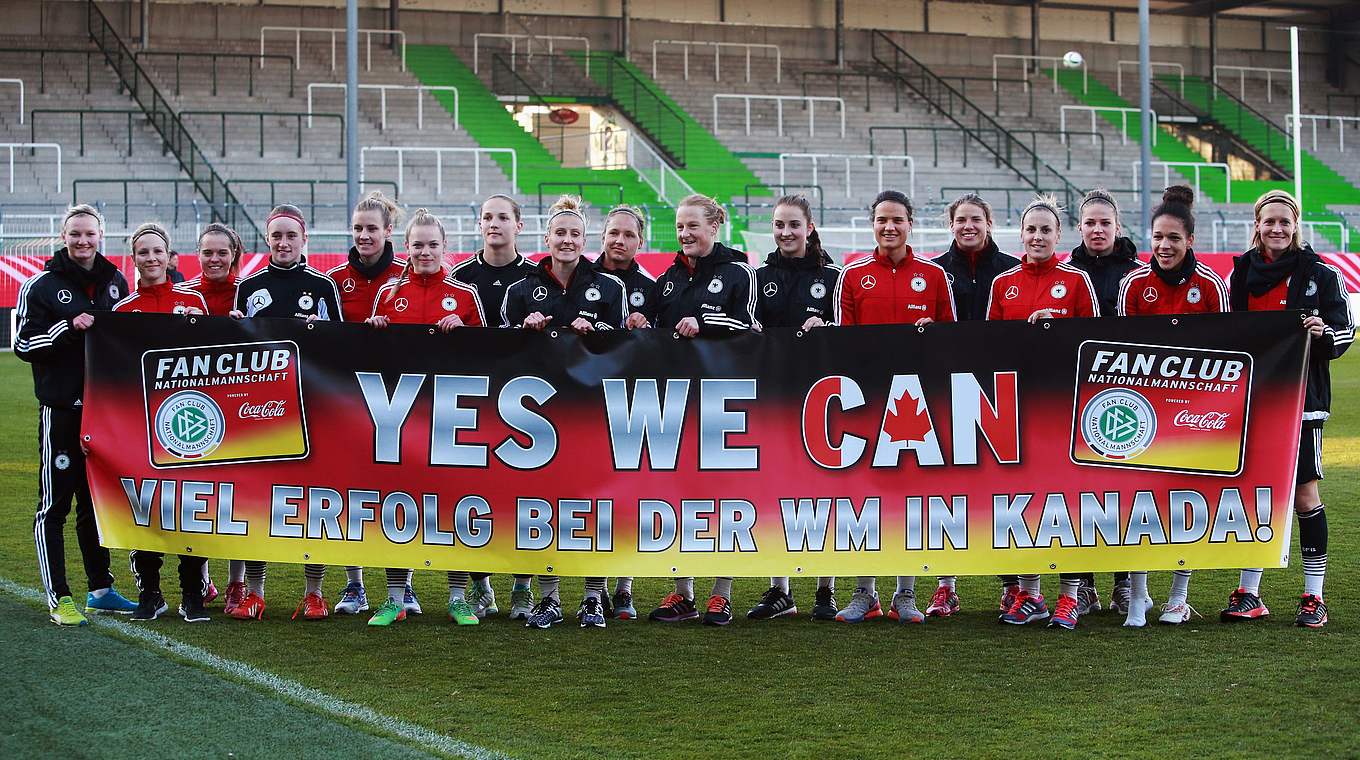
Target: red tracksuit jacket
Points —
{"points": [[1144, 291], [359, 285], [1020, 291], [424, 299], [166, 298], [874, 291], [220, 297]]}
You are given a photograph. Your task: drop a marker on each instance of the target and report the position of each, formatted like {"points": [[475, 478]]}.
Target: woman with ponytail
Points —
{"points": [[372, 263], [1282, 272], [1173, 282], [424, 294], [796, 287]]}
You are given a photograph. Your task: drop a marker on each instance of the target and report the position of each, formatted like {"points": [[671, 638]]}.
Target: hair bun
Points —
{"points": [[566, 203], [1181, 194]]}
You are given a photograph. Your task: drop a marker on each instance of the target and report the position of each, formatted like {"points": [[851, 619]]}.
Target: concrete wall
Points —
{"points": [[803, 29]]}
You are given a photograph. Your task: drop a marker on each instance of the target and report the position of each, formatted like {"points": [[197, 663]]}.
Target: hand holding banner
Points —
{"points": [[1002, 447]]}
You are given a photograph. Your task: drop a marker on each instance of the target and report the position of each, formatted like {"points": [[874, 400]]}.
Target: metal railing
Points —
{"points": [[580, 188], [367, 34], [1315, 118], [669, 186], [528, 46], [996, 91], [226, 208], [837, 75], [875, 160], [439, 152], [311, 185], [1055, 59], [80, 121], [786, 190], [20, 83], [1242, 77], [965, 138], [1354, 100], [31, 146], [649, 110], [809, 102], [1219, 233], [1275, 135], [717, 56], [125, 183], [178, 55], [420, 90], [1196, 168], [297, 116], [962, 112], [1123, 117], [1152, 66], [43, 53]]}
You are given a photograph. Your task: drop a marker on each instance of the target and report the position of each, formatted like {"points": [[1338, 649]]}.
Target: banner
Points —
{"points": [[976, 448]]}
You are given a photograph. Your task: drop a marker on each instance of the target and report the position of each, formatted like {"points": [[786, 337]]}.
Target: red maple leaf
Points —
{"points": [[908, 424]]}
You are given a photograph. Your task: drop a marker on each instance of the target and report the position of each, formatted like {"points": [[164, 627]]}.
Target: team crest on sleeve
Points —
{"points": [[715, 286], [918, 284], [540, 293], [770, 289], [592, 293], [1012, 293], [305, 301], [115, 294], [636, 299], [1058, 290], [867, 282], [1150, 295], [64, 295], [1193, 295], [818, 289], [449, 303]]}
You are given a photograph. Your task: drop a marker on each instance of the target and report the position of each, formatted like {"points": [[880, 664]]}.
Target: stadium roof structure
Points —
{"points": [[1295, 11]]}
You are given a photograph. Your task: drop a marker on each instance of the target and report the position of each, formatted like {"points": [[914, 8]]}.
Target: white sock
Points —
{"points": [[595, 587], [354, 575], [866, 582], [623, 585], [1180, 587], [781, 583], [906, 584], [255, 573], [313, 576], [685, 587], [1138, 585], [1029, 584], [722, 587], [1251, 581], [484, 583], [549, 586], [827, 581], [1070, 585], [522, 582], [949, 581], [100, 592], [236, 571]]}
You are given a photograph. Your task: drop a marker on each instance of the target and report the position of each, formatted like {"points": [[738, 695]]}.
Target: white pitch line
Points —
{"points": [[293, 690]]}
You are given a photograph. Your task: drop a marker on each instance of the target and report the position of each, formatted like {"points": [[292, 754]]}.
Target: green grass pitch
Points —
{"points": [[786, 688]]}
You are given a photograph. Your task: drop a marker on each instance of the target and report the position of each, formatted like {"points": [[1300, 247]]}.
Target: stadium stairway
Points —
{"points": [[1325, 186], [710, 168], [539, 172], [1212, 183]]}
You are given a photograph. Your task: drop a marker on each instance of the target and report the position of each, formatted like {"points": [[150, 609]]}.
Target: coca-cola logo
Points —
{"points": [[1203, 421], [267, 410]]}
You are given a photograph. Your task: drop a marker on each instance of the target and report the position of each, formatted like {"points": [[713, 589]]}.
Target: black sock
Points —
{"points": [[1313, 547]]}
